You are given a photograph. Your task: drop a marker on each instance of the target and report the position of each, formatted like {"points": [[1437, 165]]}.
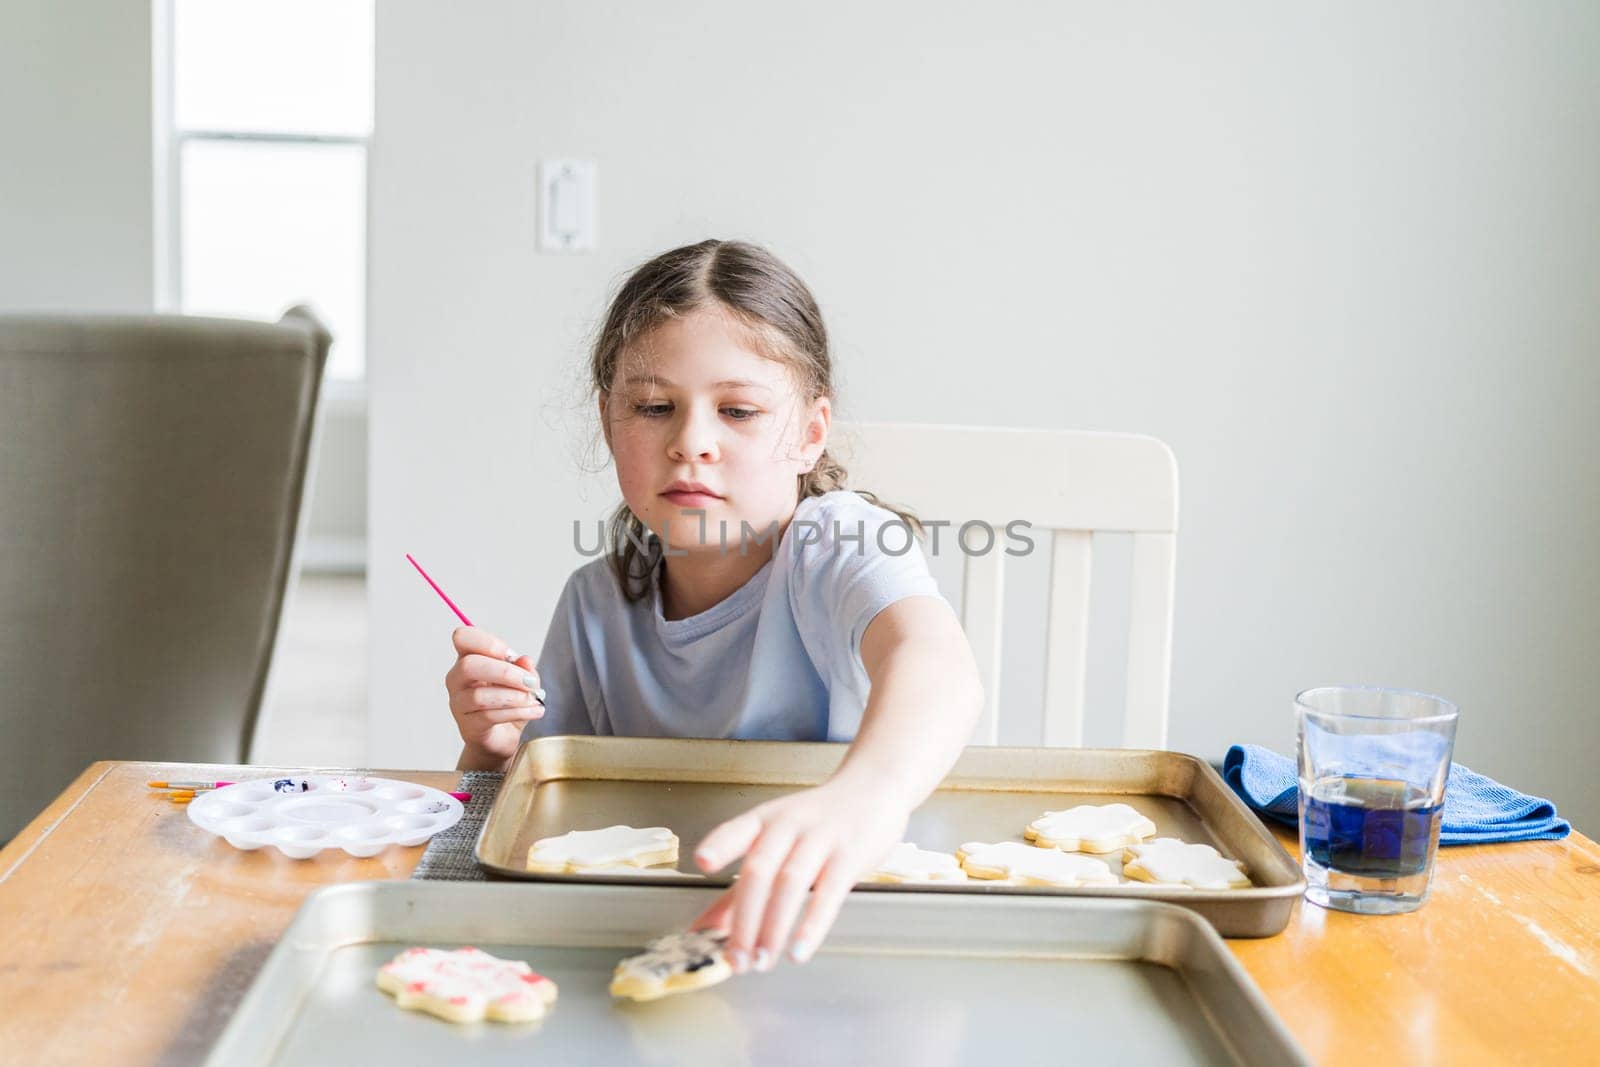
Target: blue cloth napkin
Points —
{"points": [[1477, 810]]}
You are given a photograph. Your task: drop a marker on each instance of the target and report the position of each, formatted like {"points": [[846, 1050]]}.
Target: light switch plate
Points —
{"points": [[566, 205]]}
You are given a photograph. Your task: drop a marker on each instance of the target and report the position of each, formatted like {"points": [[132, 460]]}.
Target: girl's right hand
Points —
{"points": [[491, 695]]}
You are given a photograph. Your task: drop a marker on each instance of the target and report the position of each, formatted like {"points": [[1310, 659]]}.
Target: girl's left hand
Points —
{"points": [[826, 837]]}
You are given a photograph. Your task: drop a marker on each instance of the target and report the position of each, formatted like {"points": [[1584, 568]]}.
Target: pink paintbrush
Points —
{"points": [[459, 613], [511, 654], [193, 787]]}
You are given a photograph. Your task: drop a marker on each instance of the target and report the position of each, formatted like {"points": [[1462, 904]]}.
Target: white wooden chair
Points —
{"points": [[1072, 484]]}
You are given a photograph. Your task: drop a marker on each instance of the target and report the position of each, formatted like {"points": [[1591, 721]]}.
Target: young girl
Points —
{"points": [[746, 594]]}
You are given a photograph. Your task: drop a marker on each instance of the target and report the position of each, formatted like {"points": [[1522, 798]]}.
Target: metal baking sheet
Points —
{"points": [[556, 784], [924, 979]]}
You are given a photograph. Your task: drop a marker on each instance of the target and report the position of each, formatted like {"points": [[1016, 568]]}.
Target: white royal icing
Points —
{"points": [[1169, 860], [470, 980], [601, 848], [674, 954], [628, 870], [1098, 827], [915, 864], [1016, 860]]}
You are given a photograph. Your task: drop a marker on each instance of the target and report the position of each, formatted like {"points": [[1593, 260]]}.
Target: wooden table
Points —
{"points": [[128, 936]]}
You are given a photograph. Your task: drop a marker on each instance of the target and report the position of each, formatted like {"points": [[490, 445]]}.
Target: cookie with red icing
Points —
{"points": [[466, 985]]}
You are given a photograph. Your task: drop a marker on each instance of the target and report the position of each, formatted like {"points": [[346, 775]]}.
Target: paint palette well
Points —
{"points": [[302, 816]]}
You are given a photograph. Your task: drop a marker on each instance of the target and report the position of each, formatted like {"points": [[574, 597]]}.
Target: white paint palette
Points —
{"points": [[303, 815]]}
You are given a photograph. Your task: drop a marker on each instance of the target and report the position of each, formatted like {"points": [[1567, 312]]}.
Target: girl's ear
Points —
{"points": [[605, 422], [814, 436]]}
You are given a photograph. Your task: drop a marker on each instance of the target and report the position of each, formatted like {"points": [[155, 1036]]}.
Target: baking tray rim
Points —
{"points": [[1289, 890], [285, 965]]}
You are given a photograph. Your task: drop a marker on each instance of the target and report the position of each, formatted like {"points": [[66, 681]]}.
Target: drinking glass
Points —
{"points": [[1373, 768]]}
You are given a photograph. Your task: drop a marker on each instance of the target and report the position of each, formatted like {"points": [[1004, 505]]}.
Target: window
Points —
{"points": [[269, 114]]}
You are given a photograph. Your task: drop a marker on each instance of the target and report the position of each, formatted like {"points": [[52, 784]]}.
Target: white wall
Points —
{"points": [[1342, 257], [76, 200]]}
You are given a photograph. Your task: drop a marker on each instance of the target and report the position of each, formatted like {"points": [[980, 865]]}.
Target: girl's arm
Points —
{"points": [[925, 700]]}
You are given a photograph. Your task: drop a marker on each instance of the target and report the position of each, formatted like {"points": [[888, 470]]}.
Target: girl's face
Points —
{"points": [[696, 420]]}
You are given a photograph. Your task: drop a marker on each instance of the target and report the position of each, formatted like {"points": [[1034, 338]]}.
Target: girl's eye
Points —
{"points": [[655, 411]]}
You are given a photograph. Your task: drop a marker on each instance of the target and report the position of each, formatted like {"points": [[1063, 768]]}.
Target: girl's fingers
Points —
{"points": [[789, 891], [475, 641], [470, 639], [493, 698], [750, 895], [716, 916], [496, 716], [836, 882], [474, 669], [727, 842]]}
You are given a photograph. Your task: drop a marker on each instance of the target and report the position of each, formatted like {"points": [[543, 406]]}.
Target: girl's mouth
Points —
{"points": [[686, 499]]}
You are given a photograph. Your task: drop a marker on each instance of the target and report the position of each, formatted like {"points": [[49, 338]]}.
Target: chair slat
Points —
{"points": [[982, 600], [1067, 637], [1073, 484], [1149, 641]]}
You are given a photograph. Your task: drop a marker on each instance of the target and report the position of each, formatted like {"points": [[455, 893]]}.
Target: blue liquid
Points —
{"points": [[1370, 827]]}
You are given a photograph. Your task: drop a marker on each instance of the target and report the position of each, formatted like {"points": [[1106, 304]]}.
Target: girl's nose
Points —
{"points": [[695, 438]]}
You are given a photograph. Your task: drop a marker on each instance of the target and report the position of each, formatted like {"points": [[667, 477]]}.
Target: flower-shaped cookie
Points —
{"points": [[676, 963], [1168, 861], [582, 850], [1028, 865], [1090, 828], [466, 985], [908, 863]]}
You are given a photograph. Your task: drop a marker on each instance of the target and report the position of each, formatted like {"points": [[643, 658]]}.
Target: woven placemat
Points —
{"points": [[449, 854]]}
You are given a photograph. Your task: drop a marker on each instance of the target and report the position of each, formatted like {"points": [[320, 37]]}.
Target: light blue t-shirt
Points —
{"points": [[779, 659]]}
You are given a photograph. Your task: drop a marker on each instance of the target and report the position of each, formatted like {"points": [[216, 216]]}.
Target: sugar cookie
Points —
{"points": [[1029, 865], [581, 850], [1160, 887], [676, 963], [1090, 828], [628, 870], [908, 863], [466, 985], [1168, 861]]}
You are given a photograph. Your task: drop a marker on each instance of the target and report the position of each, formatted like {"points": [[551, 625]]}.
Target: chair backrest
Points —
{"points": [[1071, 484], [151, 473]]}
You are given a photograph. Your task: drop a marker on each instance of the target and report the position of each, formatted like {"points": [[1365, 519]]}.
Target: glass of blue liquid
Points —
{"points": [[1373, 767]]}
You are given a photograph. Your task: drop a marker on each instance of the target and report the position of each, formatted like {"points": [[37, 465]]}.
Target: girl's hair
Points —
{"points": [[784, 323]]}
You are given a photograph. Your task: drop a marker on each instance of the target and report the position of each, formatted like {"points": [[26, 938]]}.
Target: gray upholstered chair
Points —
{"points": [[151, 474]]}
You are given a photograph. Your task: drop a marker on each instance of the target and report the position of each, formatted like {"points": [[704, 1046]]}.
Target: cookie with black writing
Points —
{"points": [[677, 963]]}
